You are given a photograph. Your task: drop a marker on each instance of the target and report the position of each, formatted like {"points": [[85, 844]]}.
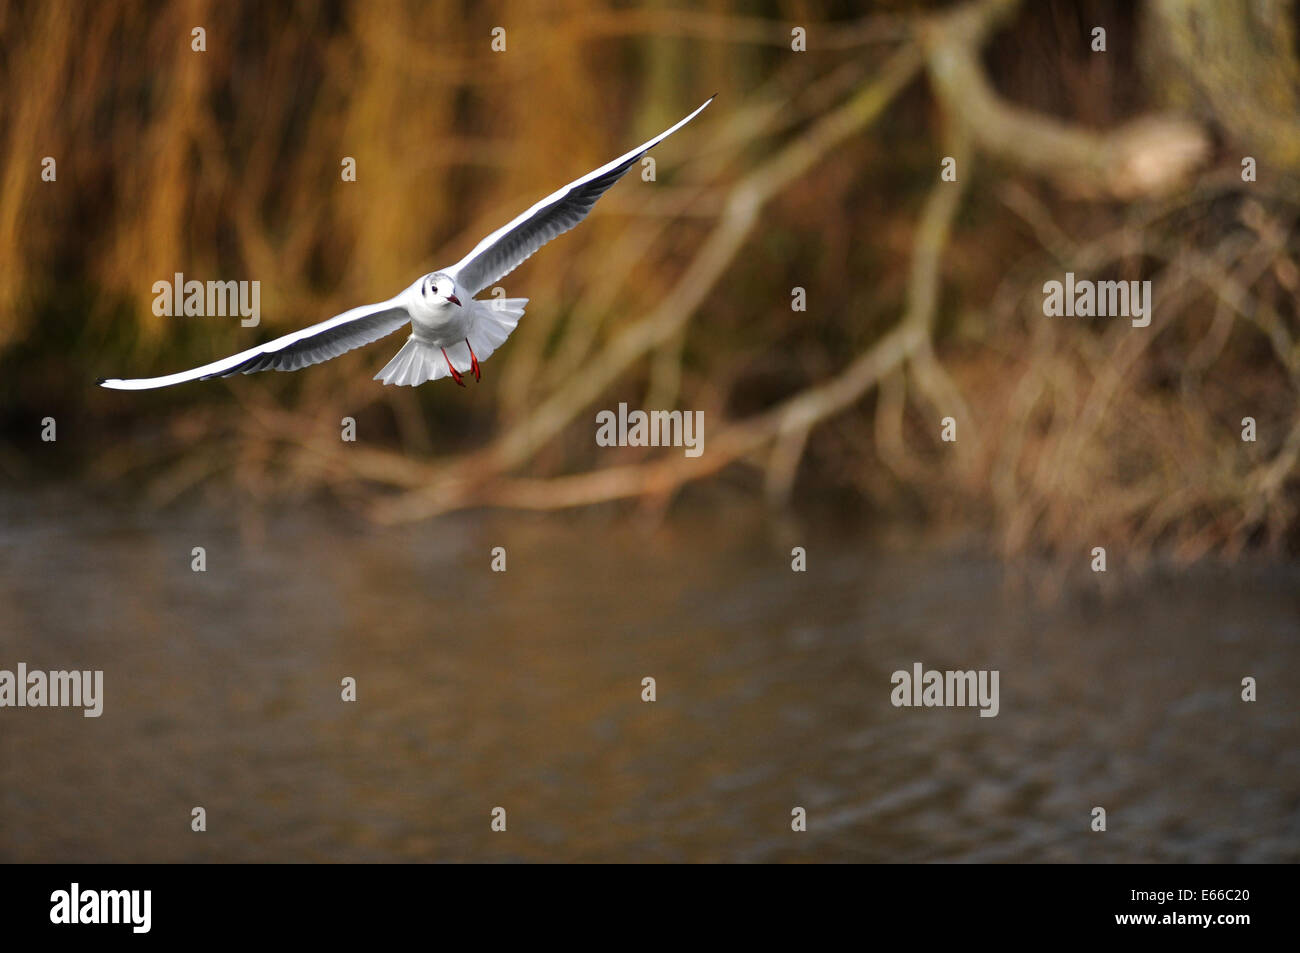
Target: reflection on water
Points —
{"points": [[522, 689]]}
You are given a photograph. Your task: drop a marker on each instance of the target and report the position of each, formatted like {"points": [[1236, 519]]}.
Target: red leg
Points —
{"points": [[455, 374], [473, 357]]}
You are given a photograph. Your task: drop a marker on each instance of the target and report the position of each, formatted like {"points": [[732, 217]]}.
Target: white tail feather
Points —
{"points": [[419, 361]]}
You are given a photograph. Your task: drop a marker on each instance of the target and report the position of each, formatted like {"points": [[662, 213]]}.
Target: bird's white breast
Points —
{"points": [[439, 323]]}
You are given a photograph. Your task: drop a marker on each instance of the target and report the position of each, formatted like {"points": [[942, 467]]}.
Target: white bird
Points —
{"points": [[451, 332]]}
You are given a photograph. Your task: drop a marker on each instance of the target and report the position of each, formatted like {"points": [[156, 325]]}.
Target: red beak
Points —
{"points": [[454, 300]]}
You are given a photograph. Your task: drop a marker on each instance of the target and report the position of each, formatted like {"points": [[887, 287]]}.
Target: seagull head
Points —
{"points": [[439, 289]]}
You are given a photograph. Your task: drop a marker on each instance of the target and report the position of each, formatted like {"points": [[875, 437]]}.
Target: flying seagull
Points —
{"points": [[451, 333]]}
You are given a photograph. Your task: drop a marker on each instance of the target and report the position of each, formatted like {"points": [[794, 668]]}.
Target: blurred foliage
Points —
{"points": [[225, 164]]}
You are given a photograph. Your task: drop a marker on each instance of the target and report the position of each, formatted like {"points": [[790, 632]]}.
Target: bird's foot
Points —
{"points": [[474, 358], [455, 374]]}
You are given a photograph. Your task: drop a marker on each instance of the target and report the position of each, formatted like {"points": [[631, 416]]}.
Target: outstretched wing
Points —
{"points": [[320, 342], [505, 249]]}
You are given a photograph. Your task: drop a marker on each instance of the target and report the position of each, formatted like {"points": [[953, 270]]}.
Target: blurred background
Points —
{"points": [[1169, 153]]}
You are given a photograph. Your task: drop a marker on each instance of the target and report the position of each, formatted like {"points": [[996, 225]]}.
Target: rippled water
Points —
{"points": [[523, 689]]}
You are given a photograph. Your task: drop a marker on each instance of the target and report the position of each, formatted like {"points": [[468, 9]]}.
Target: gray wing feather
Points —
{"points": [[322, 347], [290, 352], [507, 248]]}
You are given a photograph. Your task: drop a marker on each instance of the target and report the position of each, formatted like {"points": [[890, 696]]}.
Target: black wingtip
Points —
{"points": [[101, 380]]}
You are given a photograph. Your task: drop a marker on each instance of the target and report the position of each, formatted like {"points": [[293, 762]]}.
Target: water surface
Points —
{"points": [[523, 690]]}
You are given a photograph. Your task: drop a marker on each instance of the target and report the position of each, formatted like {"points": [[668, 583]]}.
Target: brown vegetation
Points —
{"points": [[815, 169]]}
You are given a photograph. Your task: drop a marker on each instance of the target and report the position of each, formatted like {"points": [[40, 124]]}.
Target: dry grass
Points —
{"points": [[813, 169]]}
